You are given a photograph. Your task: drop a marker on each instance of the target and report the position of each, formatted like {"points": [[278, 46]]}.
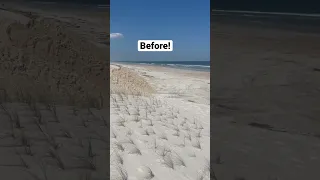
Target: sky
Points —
{"points": [[186, 22]]}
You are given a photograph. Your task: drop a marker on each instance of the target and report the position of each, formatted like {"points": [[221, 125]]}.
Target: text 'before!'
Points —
{"points": [[155, 45]]}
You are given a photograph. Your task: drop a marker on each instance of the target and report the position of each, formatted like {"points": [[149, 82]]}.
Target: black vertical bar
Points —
{"points": [[265, 90], [107, 167], [54, 90]]}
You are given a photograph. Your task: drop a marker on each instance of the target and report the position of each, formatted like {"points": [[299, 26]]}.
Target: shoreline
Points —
{"points": [[186, 67], [146, 68], [185, 86]]}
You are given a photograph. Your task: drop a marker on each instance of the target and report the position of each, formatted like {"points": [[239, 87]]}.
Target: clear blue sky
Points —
{"points": [[186, 22]]}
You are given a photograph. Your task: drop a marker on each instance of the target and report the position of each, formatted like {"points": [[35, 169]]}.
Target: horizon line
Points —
{"points": [[158, 61], [270, 13]]}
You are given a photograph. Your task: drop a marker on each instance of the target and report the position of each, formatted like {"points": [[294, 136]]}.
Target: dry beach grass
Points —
{"points": [[126, 81], [151, 136]]}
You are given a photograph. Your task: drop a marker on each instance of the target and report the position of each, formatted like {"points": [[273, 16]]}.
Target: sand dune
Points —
{"points": [[126, 81], [161, 135]]}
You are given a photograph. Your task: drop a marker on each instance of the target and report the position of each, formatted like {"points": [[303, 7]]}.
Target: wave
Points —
{"points": [[181, 66], [184, 65]]}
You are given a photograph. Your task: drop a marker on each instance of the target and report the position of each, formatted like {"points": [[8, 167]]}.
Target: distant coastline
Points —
{"points": [[188, 65]]}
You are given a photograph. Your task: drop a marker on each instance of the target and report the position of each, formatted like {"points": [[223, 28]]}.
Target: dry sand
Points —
{"points": [[164, 133], [53, 78], [265, 100]]}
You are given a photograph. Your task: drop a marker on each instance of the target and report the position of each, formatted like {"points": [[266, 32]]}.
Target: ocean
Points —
{"points": [[298, 22], [188, 65]]}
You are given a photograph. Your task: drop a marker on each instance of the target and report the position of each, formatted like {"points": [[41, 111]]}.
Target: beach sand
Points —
{"points": [[162, 129], [53, 87], [265, 100]]}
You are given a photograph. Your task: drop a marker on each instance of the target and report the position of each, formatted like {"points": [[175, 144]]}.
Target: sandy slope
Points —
{"points": [[48, 62], [164, 135]]}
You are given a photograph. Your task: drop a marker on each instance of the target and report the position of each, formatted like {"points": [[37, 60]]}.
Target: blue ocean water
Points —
{"points": [[189, 65]]}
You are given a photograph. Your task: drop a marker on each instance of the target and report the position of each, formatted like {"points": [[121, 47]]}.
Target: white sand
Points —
{"points": [[165, 135]]}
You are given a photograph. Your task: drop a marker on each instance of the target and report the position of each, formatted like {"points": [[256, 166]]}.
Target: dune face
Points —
{"points": [[45, 56], [124, 80]]}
